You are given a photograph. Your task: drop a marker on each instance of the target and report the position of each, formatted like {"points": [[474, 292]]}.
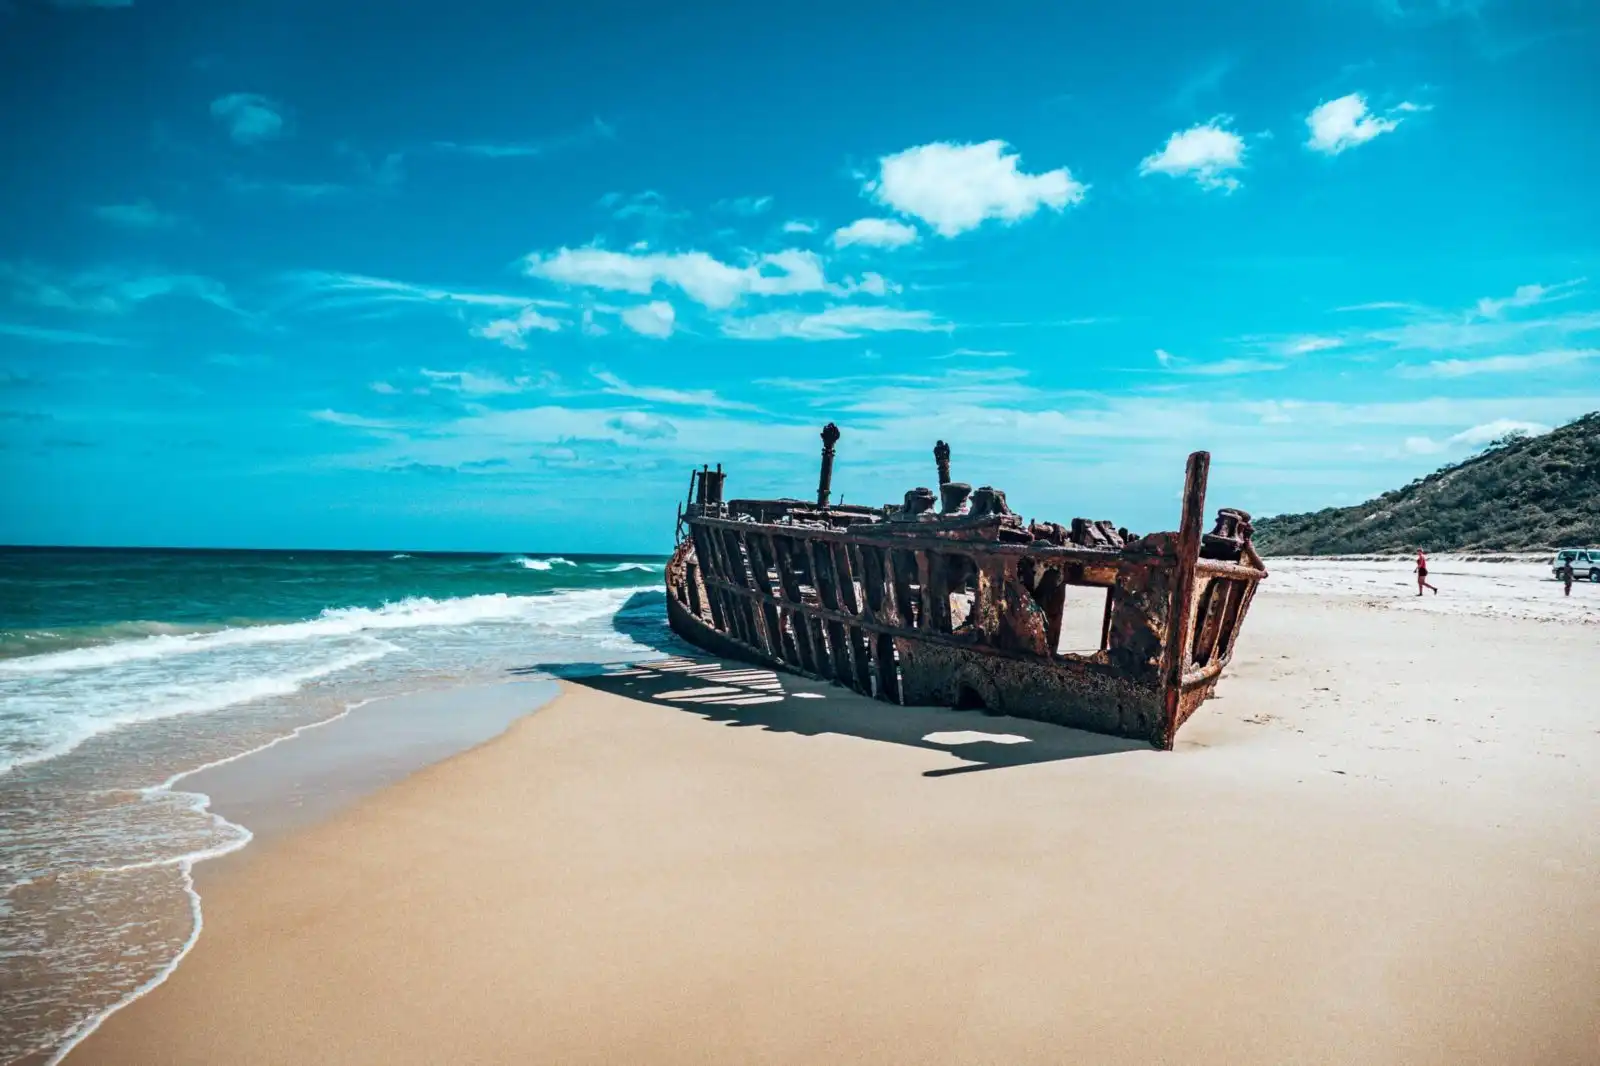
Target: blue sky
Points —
{"points": [[496, 275]]}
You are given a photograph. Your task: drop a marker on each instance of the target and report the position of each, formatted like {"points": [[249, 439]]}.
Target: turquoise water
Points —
{"points": [[122, 671], [53, 598]]}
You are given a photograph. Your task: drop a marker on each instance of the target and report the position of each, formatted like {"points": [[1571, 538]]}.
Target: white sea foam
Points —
{"points": [[542, 564], [55, 701], [412, 613], [54, 716], [623, 568]]}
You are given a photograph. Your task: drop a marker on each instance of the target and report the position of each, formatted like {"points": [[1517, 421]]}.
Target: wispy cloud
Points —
{"points": [[595, 131], [1207, 153], [1527, 296], [1219, 368], [140, 214], [1205, 82], [834, 323], [58, 336], [706, 398], [363, 287], [1307, 345], [744, 206], [649, 206], [362, 174], [957, 187], [1229, 367], [109, 291], [1437, 333], [475, 383], [249, 118], [795, 225], [1337, 125], [1501, 364], [351, 421]]}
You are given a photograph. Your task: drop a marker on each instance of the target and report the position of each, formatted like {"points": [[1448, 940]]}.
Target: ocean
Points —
{"points": [[124, 671]]}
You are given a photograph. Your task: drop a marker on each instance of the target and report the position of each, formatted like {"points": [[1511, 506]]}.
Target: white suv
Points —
{"points": [[1585, 563]]}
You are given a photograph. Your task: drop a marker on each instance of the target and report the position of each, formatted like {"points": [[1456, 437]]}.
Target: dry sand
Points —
{"points": [[1378, 845]]}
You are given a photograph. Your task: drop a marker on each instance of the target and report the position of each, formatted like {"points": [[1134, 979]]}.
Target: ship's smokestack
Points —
{"points": [[830, 437], [941, 455], [714, 480]]}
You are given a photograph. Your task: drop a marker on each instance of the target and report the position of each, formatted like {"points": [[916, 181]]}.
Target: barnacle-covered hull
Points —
{"points": [[963, 608]]}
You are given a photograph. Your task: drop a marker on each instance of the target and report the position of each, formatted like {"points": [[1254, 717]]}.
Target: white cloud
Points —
{"points": [[1475, 437], [1205, 152], [873, 284], [513, 332], [835, 323], [139, 215], [1526, 296], [56, 336], [747, 206], [1230, 367], [1500, 364], [797, 226], [649, 205], [677, 397], [875, 233], [383, 388], [340, 418], [109, 292], [1221, 368], [594, 131], [1307, 345], [957, 187], [643, 426], [364, 287], [976, 353], [249, 117], [471, 383], [1491, 431], [654, 319], [702, 277], [1345, 123]]}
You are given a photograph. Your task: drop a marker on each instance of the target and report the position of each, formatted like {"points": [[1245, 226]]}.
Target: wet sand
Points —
{"points": [[1378, 845]]}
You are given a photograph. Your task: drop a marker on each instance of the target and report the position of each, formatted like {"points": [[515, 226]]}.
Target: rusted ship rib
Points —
{"points": [[952, 600]]}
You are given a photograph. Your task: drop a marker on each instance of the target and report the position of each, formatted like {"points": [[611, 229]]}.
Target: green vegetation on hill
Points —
{"points": [[1521, 493]]}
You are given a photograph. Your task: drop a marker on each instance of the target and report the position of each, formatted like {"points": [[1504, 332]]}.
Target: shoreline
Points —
{"points": [[613, 787], [242, 793]]}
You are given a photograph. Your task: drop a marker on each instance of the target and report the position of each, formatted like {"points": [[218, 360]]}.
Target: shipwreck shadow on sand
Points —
{"points": [[740, 694]]}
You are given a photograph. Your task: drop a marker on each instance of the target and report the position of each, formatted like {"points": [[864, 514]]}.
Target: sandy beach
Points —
{"points": [[1376, 845]]}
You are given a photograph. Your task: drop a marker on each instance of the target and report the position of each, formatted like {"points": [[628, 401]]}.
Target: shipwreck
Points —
{"points": [[949, 599]]}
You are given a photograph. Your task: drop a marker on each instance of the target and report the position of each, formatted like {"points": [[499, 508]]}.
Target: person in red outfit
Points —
{"points": [[1422, 574]]}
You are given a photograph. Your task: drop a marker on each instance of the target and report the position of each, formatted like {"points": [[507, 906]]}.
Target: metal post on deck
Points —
{"points": [[941, 456], [830, 437], [1175, 656]]}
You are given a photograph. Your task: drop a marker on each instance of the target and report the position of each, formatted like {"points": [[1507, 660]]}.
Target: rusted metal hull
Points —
{"points": [[965, 611]]}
